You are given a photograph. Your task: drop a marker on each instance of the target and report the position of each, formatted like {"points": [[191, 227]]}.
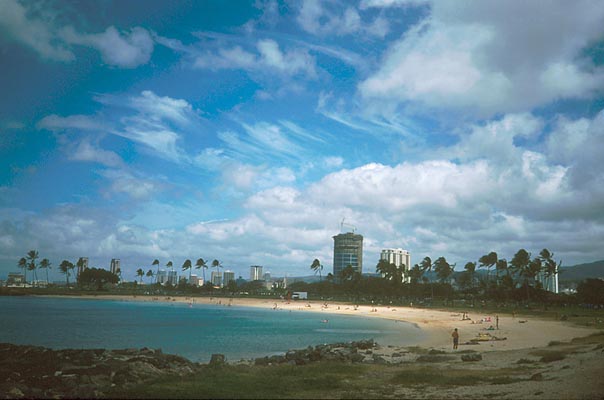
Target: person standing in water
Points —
{"points": [[455, 336]]}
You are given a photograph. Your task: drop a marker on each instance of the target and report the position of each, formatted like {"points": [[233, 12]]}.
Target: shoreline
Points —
{"points": [[437, 325]]}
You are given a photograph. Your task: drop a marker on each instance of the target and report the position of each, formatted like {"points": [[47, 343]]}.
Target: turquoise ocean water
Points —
{"points": [[195, 332]]}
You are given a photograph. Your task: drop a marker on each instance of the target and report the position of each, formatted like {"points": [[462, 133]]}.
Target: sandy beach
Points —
{"points": [[517, 348], [519, 332]]}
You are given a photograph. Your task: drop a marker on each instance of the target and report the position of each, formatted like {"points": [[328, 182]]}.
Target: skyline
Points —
{"points": [[248, 131]]}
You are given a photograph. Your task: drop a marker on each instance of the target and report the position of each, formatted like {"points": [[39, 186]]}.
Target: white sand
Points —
{"points": [[437, 325]]}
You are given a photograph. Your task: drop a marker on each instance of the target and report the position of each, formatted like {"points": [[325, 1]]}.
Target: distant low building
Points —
{"points": [[15, 278]]}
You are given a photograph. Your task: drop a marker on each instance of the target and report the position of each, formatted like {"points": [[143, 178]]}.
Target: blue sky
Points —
{"points": [[246, 131]]}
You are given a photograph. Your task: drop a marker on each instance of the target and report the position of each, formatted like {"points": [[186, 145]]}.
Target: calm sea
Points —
{"points": [[195, 332]]}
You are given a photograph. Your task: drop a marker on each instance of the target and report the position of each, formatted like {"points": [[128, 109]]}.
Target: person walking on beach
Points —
{"points": [[455, 336], [497, 321]]}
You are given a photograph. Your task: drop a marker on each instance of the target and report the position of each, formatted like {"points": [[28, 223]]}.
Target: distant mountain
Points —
{"points": [[582, 271]]}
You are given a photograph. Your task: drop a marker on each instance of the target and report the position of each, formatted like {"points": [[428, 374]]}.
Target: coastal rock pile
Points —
{"points": [[354, 352], [38, 372]]}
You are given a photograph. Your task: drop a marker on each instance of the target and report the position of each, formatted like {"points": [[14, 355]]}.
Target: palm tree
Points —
{"points": [[45, 263], [487, 261], [187, 266], [501, 266], [317, 267], [140, 273], [201, 263], [470, 268], [443, 269], [216, 264], [550, 267], [521, 265], [415, 273], [426, 265], [347, 273], [65, 267], [23, 264], [156, 262], [150, 274], [32, 256]]}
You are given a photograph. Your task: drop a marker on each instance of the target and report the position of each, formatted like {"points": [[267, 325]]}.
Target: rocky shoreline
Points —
{"points": [[39, 372]]}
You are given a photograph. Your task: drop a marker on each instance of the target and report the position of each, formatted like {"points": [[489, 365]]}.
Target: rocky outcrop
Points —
{"points": [[38, 372], [351, 352]]}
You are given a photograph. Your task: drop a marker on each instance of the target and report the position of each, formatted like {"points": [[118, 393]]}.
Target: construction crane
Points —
{"points": [[342, 224]]}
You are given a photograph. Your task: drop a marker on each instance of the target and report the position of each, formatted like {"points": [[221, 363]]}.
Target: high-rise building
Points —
{"points": [[115, 265], [401, 258], [162, 277], [549, 281], [228, 277], [172, 277], [256, 273], [347, 250], [217, 278]]}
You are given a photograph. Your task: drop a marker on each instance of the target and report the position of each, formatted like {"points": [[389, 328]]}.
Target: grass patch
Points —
{"points": [[245, 382], [550, 355], [455, 377], [594, 338], [525, 361]]}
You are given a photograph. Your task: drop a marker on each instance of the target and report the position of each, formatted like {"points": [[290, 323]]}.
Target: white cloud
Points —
{"points": [[126, 50], [320, 18], [34, 32], [85, 151], [41, 32], [268, 58], [80, 122], [489, 57]]}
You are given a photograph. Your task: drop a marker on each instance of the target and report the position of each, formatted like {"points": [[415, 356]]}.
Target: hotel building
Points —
{"points": [[401, 258], [256, 273], [114, 266], [347, 250]]}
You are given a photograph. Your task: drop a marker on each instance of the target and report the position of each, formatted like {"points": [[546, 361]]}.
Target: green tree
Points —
{"points": [[31, 257], [201, 263], [156, 262], [502, 268], [317, 267], [65, 267], [591, 291], [23, 265], [216, 264], [140, 273], [45, 264], [426, 266], [415, 274], [150, 274], [521, 265], [487, 261], [187, 266], [550, 267], [347, 273], [470, 269], [97, 277], [443, 269]]}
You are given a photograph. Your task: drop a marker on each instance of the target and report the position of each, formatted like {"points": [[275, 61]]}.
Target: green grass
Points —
{"points": [[456, 377], [244, 382]]}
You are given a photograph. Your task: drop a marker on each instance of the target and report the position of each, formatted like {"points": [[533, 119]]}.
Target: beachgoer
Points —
{"points": [[455, 336], [497, 321]]}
